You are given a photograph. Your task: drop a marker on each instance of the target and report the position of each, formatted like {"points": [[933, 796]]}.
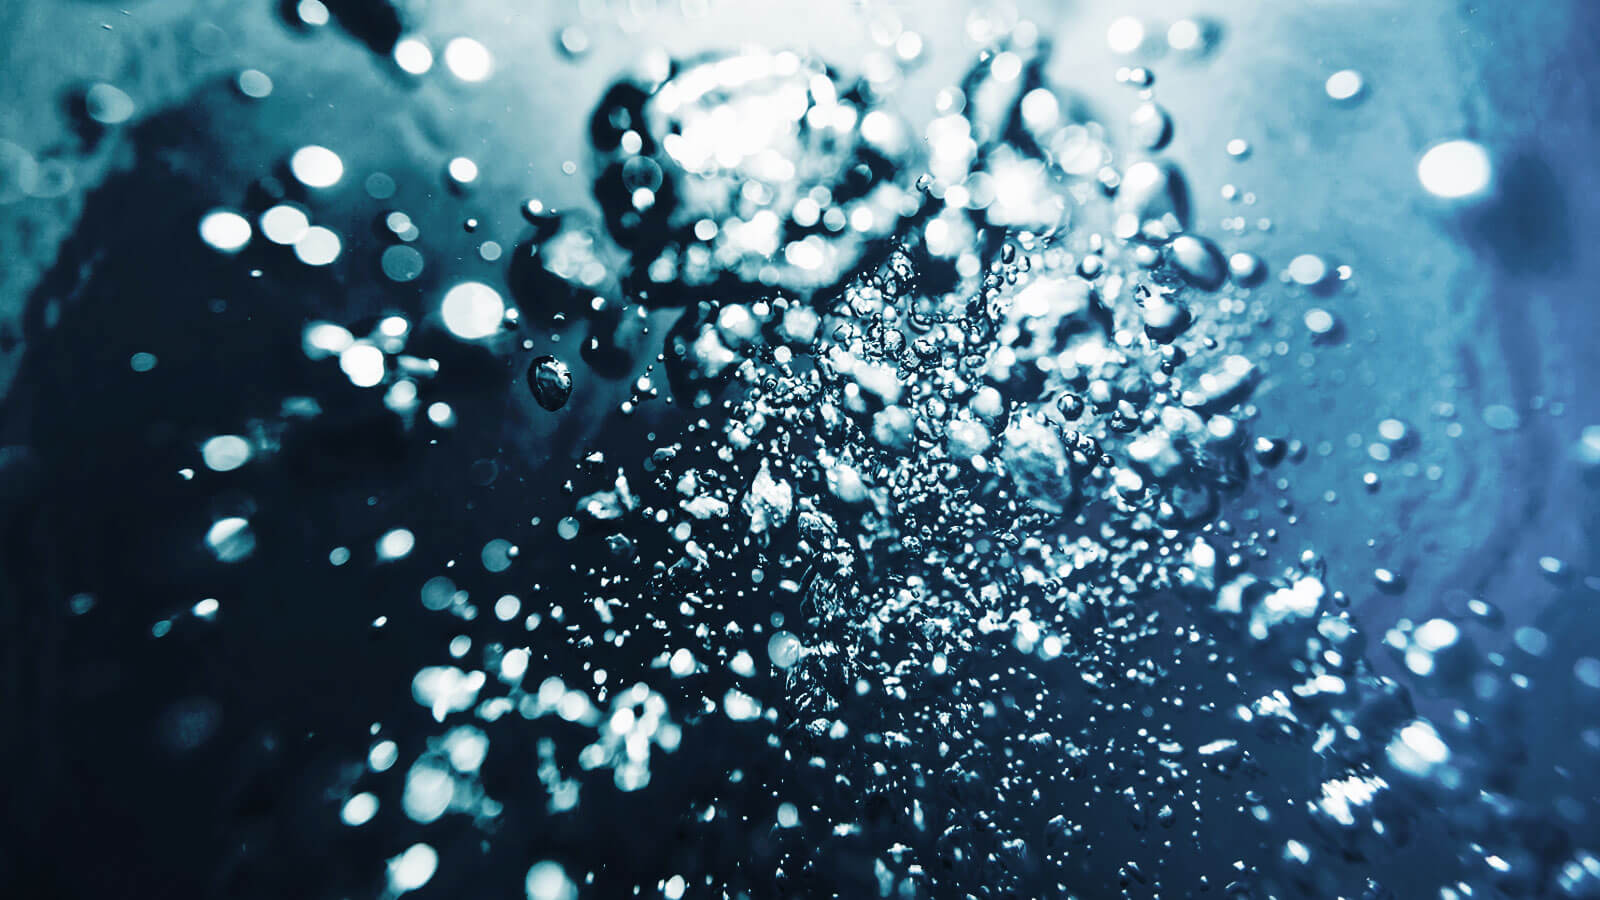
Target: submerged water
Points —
{"points": [[694, 450]]}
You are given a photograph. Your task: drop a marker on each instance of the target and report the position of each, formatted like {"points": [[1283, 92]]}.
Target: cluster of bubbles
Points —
{"points": [[956, 522]]}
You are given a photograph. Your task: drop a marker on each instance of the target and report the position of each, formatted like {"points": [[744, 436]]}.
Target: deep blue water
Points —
{"points": [[844, 450]]}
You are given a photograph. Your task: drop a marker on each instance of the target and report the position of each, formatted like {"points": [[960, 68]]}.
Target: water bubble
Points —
{"points": [[468, 60], [225, 230], [1501, 417], [284, 224], [1125, 35], [550, 381], [318, 246], [312, 12], [360, 809], [1154, 192], [1246, 269], [497, 555], [225, 452], [401, 263], [1199, 261], [413, 56], [548, 881], [573, 41], [380, 186], [1587, 671], [462, 171], [395, 544], [1320, 322], [473, 310], [19, 172], [1308, 270], [255, 84], [108, 104], [230, 539], [1152, 126], [316, 166], [1345, 84], [364, 363], [1191, 37], [784, 649], [383, 756], [1454, 169], [413, 868]]}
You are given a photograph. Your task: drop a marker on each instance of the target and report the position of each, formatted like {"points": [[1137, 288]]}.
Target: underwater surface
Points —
{"points": [[841, 449]]}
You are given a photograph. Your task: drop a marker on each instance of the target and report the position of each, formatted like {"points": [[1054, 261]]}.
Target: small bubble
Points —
{"points": [[1152, 126], [472, 310], [1246, 269], [1125, 35], [462, 171], [573, 41], [360, 809], [284, 224], [784, 649], [1454, 169], [318, 246], [548, 881], [230, 539], [225, 452], [380, 186], [225, 230], [413, 56], [550, 381], [1501, 418], [255, 84], [316, 166], [468, 60], [313, 13], [108, 104], [1319, 321], [1308, 270], [1345, 84], [396, 544], [401, 263]]}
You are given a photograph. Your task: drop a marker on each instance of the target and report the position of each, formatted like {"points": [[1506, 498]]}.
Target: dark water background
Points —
{"points": [[213, 761]]}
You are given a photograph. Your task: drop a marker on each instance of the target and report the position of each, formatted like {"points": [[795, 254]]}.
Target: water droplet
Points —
{"points": [[550, 381]]}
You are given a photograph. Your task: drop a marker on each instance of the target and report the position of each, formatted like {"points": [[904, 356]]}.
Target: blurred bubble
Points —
{"points": [[1454, 169], [316, 166], [468, 60], [472, 310]]}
